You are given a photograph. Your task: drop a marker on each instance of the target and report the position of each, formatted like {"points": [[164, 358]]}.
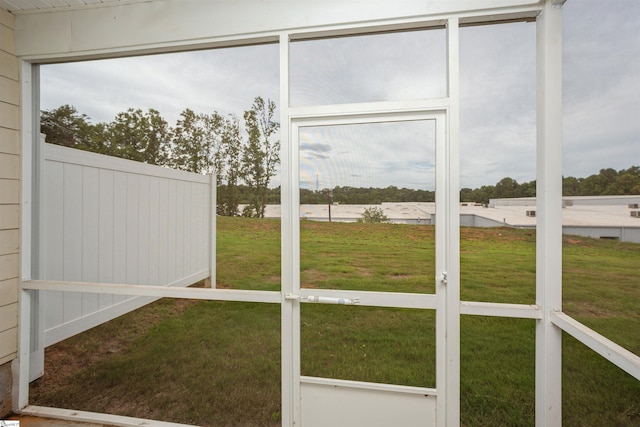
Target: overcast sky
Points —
{"points": [[601, 96]]}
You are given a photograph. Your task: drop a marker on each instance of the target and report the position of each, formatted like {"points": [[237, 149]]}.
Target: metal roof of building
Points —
{"points": [[509, 213]]}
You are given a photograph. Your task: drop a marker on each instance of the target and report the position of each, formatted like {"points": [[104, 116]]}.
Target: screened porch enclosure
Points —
{"points": [[326, 135]]}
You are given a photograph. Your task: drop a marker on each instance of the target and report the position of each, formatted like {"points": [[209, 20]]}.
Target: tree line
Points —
{"points": [[360, 195], [244, 155], [605, 183]]}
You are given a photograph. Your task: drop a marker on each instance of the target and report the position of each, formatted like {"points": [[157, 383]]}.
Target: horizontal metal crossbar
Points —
{"points": [[616, 354], [333, 382], [155, 291], [521, 311]]}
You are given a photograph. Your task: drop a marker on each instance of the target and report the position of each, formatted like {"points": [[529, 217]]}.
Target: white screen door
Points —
{"points": [[364, 319]]}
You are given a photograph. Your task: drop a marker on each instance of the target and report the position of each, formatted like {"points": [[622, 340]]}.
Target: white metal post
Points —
{"points": [[31, 328], [210, 282], [38, 303], [447, 286], [453, 225], [289, 309], [549, 218], [30, 106]]}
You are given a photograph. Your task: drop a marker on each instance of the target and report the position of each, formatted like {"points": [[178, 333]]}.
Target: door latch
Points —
{"points": [[322, 300], [443, 278]]}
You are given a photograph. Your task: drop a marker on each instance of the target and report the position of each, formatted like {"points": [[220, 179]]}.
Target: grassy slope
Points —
{"points": [[217, 363]]}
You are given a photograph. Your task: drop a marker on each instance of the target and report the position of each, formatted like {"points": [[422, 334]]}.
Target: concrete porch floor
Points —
{"points": [[29, 421], [70, 418]]}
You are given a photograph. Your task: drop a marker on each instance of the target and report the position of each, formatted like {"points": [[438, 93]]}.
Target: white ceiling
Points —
{"points": [[25, 6]]}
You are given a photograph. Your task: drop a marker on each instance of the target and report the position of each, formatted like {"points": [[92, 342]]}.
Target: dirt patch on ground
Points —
{"points": [[312, 276], [583, 309], [471, 234], [65, 359], [364, 272]]}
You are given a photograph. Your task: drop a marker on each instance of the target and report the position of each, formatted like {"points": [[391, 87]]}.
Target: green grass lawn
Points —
{"points": [[218, 363]]}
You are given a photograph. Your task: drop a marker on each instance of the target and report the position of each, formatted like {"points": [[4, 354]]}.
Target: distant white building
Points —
{"points": [[603, 217]]}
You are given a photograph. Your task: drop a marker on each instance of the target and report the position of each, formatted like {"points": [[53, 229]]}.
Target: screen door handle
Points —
{"points": [[323, 300], [443, 278]]}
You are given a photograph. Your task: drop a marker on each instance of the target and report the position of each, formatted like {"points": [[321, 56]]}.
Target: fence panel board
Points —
{"points": [[119, 231], [106, 233], [109, 220]]}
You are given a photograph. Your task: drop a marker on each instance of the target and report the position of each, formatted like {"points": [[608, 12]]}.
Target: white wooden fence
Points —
{"points": [[108, 220]]}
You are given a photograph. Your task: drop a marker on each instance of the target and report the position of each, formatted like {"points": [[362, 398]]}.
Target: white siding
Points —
{"points": [[9, 189]]}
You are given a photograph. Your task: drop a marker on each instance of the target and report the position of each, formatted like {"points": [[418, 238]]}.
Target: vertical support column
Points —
{"points": [[290, 310], [37, 172], [210, 282], [30, 362], [549, 217], [38, 298], [29, 149], [452, 231]]}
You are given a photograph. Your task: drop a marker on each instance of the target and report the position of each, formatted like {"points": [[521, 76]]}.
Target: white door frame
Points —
{"points": [[447, 324]]}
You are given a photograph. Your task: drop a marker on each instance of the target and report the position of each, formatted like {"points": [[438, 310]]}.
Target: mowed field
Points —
{"points": [[218, 363]]}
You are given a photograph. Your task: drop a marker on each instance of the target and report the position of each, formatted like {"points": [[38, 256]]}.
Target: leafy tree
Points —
{"points": [[607, 179], [599, 184], [629, 183], [570, 186], [308, 197], [231, 152], [67, 127], [466, 194], [143, 137], [626, 184], [190, 149], [273, 195], [527, 189], [373, 215], [212, 126], [507, 187], [261, 154]]}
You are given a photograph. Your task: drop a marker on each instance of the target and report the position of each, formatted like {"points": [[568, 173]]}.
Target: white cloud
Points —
{"points": [[601, 86], [223, 80], [369, 155], [369, 68]]}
